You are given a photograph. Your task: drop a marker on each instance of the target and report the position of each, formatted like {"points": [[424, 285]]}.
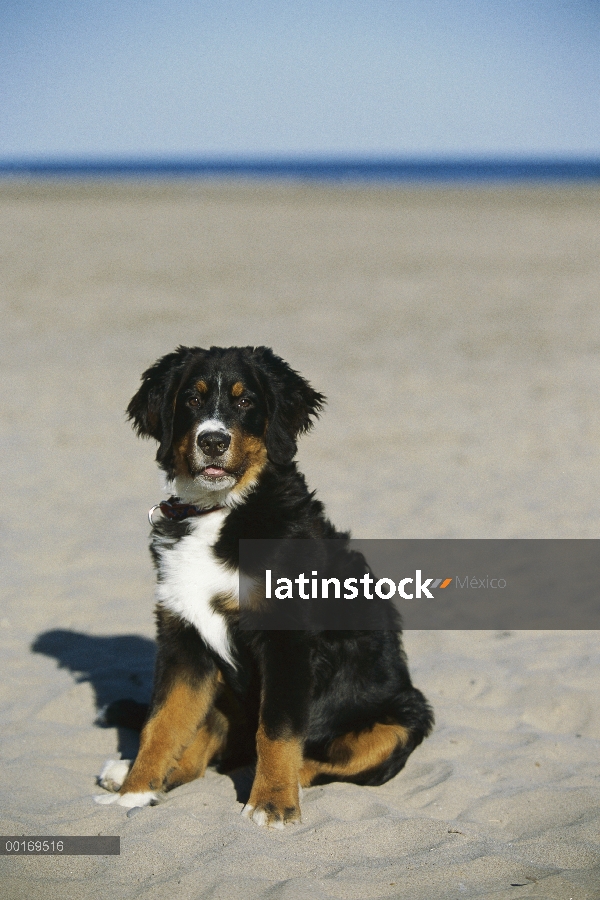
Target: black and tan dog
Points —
{"points": [[307, 706]]}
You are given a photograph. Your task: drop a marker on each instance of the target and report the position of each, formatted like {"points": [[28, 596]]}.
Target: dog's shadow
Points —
{"points": [[120, 670], [117, 667]]}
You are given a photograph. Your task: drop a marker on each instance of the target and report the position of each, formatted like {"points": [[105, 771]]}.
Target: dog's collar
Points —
{"points": [[174, 509]]}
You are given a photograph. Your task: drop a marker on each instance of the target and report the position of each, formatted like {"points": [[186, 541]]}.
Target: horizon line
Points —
{"points": [[331, 167]]}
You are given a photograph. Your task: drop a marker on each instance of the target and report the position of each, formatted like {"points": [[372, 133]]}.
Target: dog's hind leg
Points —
{"points": [[366, 757]]}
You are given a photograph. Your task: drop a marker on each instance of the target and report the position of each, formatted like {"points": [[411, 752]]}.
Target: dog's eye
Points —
{"points": [[194, 402], [244, 403]]}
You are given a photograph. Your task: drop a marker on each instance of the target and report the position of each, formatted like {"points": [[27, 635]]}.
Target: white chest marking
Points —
{"points": [[191, 576]]}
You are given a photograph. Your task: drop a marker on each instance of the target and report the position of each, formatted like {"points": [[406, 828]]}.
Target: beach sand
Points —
{"points": [[456, 333]]}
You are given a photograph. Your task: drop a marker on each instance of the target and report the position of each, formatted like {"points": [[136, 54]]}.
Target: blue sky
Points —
{"points": [[358, 77]]}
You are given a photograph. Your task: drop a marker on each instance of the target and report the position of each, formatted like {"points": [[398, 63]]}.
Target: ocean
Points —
{"points": [[315, 169]]}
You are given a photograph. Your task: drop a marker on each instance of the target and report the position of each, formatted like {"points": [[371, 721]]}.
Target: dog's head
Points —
{"points": [[219, 415]]}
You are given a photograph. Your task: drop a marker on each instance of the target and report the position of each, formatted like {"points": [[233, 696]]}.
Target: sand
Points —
{"points": [[456, 334]]}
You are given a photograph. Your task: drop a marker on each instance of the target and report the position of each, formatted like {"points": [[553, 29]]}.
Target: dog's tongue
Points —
{"points": [[214, 470]]}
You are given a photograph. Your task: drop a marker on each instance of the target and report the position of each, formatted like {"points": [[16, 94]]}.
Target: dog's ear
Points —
{"points": [[151, 410], [291, 402]]}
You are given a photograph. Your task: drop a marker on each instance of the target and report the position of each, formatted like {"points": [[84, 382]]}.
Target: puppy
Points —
{"points": [[307, 706]]}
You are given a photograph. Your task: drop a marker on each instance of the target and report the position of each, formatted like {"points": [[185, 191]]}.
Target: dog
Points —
{"points": [[307, 707]]}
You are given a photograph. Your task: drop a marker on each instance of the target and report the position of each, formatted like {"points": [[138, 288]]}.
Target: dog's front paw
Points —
{"points": [[129, 799], [113, 774], [274, 809]]}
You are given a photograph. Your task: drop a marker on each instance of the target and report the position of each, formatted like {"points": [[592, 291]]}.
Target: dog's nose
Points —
{"points": [[214, 443]]}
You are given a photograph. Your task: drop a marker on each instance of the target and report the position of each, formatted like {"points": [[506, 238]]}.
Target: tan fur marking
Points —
{"points": [[275, 788], [181, 454], [237, 390], [209, 740], [249, 453], [167, 734], [202, 387], [353, 753], [225, 603], [252, 598]]}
